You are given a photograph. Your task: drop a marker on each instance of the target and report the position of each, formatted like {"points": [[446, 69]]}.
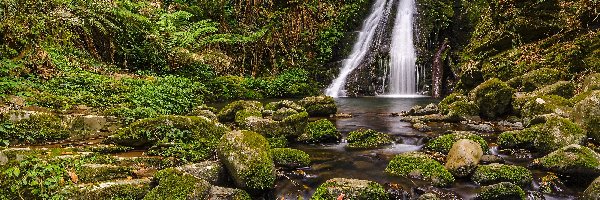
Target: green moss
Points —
{"points": [[555, 133], [463, 108], [278, 142], [320, 131], [241, 115], [504, 190], [591, 82], [174, 184], [284, 104], [517, 139], [294, 125], [229, 112], [496, 173], [444, 143], [115, 192], [351, 188], [531, 106], [319, 105], [420, 166], [444, 105], [90, 173], [535, 79], [587, 114], [572, 159], [37, 128], [367, 138], [493, 97], [565, 89], [292, 158]]}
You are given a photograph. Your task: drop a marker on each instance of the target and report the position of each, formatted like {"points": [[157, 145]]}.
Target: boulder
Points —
{"points": [[504, 191], [587, 114], [229, 112], [463, 157], [444, 104], [350, 189], [592, 192], [320, 131], [264, 126], [290, 158], [444, 143], [294, 125], [282, 113], [174, 184], [420, 111], [34, 127], [591, 82], [530, 106], [565, 89], [420, 166], [496, 173], [367, 138], [319, 106], [573, 160], [222, 193], [555, 133], [248, 160], [211, 171], [120, 189], [551, 184], [89, 173], [493, 97], [463, 109], [284, 104], [532, 80]]}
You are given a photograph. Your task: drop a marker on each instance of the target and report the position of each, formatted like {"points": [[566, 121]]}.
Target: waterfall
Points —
{"points": [[402, 77], [361, 48], [403, 72]]}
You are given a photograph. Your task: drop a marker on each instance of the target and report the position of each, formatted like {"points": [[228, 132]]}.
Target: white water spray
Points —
{"points": [[403, 80], [360, 48]]}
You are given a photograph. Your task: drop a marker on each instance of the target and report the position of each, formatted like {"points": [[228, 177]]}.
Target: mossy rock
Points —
{"points": [[241, 115], [264, 126], [420, 166], [89, 173], [493, 97], [278, 142], [531, 106], [320, 131], [504, 190], [290, 158], [367, 138], [470, 78], [353, 189], [212, 171], [444, 105], [535, 79], [592, 192], [248, 160], [294, 125], [282, 113], [591, 82], [284, 104], [463, 108], [555, 133], [444, 143], [574, 160], [205, 111], [221, 193], [34, 127], [174, 184], [319, 106], [587, 114], [463, 157], [496, 173], [229, 112], [122, 189], [565, 89]]}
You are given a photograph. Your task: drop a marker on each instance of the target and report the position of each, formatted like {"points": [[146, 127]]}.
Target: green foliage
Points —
{"points": [[421, 166], [320, 131], [38, 128], [367, 138], [168, 95]]}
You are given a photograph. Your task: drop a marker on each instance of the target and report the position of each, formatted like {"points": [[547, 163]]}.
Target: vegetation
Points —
{"points": [[420, 166], [367, 138]]}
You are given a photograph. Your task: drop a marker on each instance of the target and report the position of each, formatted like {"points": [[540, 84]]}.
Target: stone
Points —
{"points": [[211, 171], [565, 89], [320, 131], [555, 133], [319, 106], [119, 189], [350, 189], [229, 112], [290, 158], [488, 159], [504, 190], [174, 184], [367, 138], [496, 173], [420, 166], [592, 192], [463, 157], [444, 143], [493, 97], [586, 113], [282, 113], [574, 160], [222, 193]]}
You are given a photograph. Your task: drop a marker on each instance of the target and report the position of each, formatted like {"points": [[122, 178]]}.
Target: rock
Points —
{"points": [[485, 128], [488, 159], [493, 97], [531, 106], [174, 184], [470, 78], [282, 113], [555, 133], [429, 192], [266, 127], [504, 190], [551, 184], [120, 189], [284, 104], [444, 143], [534, 79], [3, 158], [290, 158], [565, 89], [211, 171], [367, 138], [343, 115], [294, 125], [319, 106], [34, 127], [463, 109], [534, 195], [248, 160], [321, 131], [463, 157], [496, 173], [592, 192], [397, 191], [229, 112], [421, 127], [587, 114], [90, 123], [444, 105], [89, 173], [574, 160], [221, 193], [591, 82], [420, 166], [241, 115], [420, 111], [207, 112], [350, 189]]}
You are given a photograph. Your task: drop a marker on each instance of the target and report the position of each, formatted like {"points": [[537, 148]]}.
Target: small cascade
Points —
{"points": [[403, 74]]}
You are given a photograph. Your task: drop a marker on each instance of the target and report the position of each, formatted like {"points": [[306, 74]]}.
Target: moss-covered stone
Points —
{"points": [[33, 127], [591, 82], [565, 89], [122, 189], [321, 131], [587, 114], [535, 79], [367, 138], [504, 190], [284, 104], [174, 184], [89, 173], [248, 160], [205, 111], [290, 158], [319, 106], [211, 171], [555, 133], [463, 157], [278, 142], [420, 166], [264, 126], [282, 113], [229, 112], [352, 189], [496, 173], [294, 125], [571, 160], [463, 108], [221, 193], [493, 97], [592, 192], [444, 105], [444, 143], [241, 115], [531, 105]]}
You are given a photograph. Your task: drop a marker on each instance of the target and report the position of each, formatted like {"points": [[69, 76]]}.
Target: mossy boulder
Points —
{"points": [[565, 89], [241, 115], [174, 184], [575, 160], [535, 79], [420, 111], [121, 189], [264, 126], [89, 173], [463, 108], [33, 127], [294, 125], [212, 171], [367, 138], [444, 105], [420, 166], [555, 133], [205, 111], [352, 189], [248, 160], [463, 157], [320, 131], [496, 173], [290, 158], [504, 190], [591, 82], [493, 97], [282, 113], [444, 143], [470, 78], [222, 193], [587, 114], [531, 106], [229, 112], [319, 106], [284, 104], [592, 192]]}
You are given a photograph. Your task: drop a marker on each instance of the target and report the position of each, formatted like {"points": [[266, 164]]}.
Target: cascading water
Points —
{"points": [[402, 78], [361, 48]]}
